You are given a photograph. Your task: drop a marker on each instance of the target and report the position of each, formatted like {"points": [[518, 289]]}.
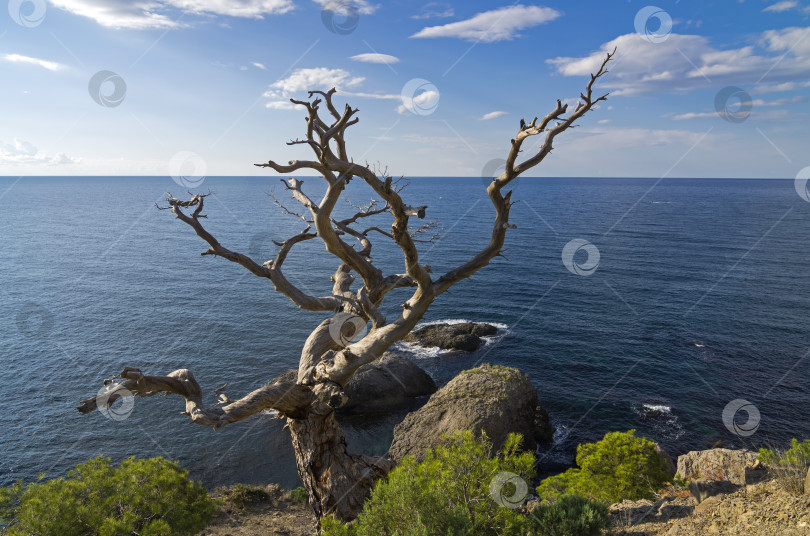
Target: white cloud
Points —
{"points": [[779, 7], [694, 115], [375, 58], [258, 65], [21, 152], [755, 103], [50, 65], [435, 10], [776, 88], [283, 105], [491, 26], [423, 101], [146, 14], [688, 62], [362, 7], [493, 115], [633, 138], [302, 80]]}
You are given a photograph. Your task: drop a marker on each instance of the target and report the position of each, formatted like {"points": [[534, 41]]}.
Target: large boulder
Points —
{"points": [[491, 399], [465, 336], [390, 383], [716, 464]]}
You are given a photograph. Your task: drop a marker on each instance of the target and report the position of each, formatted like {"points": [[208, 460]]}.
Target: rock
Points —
{"points": [[807, 483], [390, 383], [465, 336], [493, 399], [716, 464]]}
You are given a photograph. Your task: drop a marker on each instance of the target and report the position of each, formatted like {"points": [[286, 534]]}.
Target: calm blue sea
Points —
{"points": [[701, 296]]}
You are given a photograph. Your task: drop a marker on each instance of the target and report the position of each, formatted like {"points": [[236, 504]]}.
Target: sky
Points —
{"points": [[202, 87]]}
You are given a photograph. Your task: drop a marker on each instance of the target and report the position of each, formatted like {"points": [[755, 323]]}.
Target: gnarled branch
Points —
{"points": [[287, 397]]}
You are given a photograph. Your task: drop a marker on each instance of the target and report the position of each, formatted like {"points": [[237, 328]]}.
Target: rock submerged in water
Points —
{"points": [[465, 336], [494, 399]]}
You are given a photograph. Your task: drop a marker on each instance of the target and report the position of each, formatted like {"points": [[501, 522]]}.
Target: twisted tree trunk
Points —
{"points": [[337, 482]]}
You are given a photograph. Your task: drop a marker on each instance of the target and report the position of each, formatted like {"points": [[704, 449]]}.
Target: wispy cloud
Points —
{"points": [[21, 152], [258, 65], [779, 7], [342, 6], [306, 79], [688, 62], [493, 115], [490, 26], [435, 10], [375, 58], [18, 58], [755, 103], [148, 14]]}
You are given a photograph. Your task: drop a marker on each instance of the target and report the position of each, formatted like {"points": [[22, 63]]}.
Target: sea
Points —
{"points": [[679, 308]]}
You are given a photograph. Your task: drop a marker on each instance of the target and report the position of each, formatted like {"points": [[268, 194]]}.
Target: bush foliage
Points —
{"points": [[620, 466], [148, 497], [790, 465], [572, 515], [448, 493]]}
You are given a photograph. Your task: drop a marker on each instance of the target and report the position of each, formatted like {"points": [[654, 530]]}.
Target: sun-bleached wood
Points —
{"points": [[336, 480]]}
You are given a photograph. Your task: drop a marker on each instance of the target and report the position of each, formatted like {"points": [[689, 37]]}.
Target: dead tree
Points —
{"points": [[338, 481]]}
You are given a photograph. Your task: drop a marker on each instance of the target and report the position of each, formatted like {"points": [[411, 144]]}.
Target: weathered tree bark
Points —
{"points": [[337, 481]]}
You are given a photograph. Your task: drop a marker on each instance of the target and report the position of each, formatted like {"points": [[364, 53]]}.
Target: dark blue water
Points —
{"points": [[701, 296]]}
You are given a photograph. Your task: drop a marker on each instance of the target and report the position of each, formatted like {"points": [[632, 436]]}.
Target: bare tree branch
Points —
{"points": [[286, 397], [502, 203]]}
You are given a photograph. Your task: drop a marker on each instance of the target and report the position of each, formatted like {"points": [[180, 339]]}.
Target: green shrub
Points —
{"points": [[448, 493], [299, 495], [572, 515], [620, 466], [151, 497], [790, 465], [241, 495]]}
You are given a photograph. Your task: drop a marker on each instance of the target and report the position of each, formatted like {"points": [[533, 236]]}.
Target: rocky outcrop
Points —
{"points": [[491, 399], [390, 383], [761, 509], [465, 336], [717, 464]]}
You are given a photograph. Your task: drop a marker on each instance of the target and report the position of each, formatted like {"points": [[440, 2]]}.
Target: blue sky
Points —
{"points": [[698, 89]]}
